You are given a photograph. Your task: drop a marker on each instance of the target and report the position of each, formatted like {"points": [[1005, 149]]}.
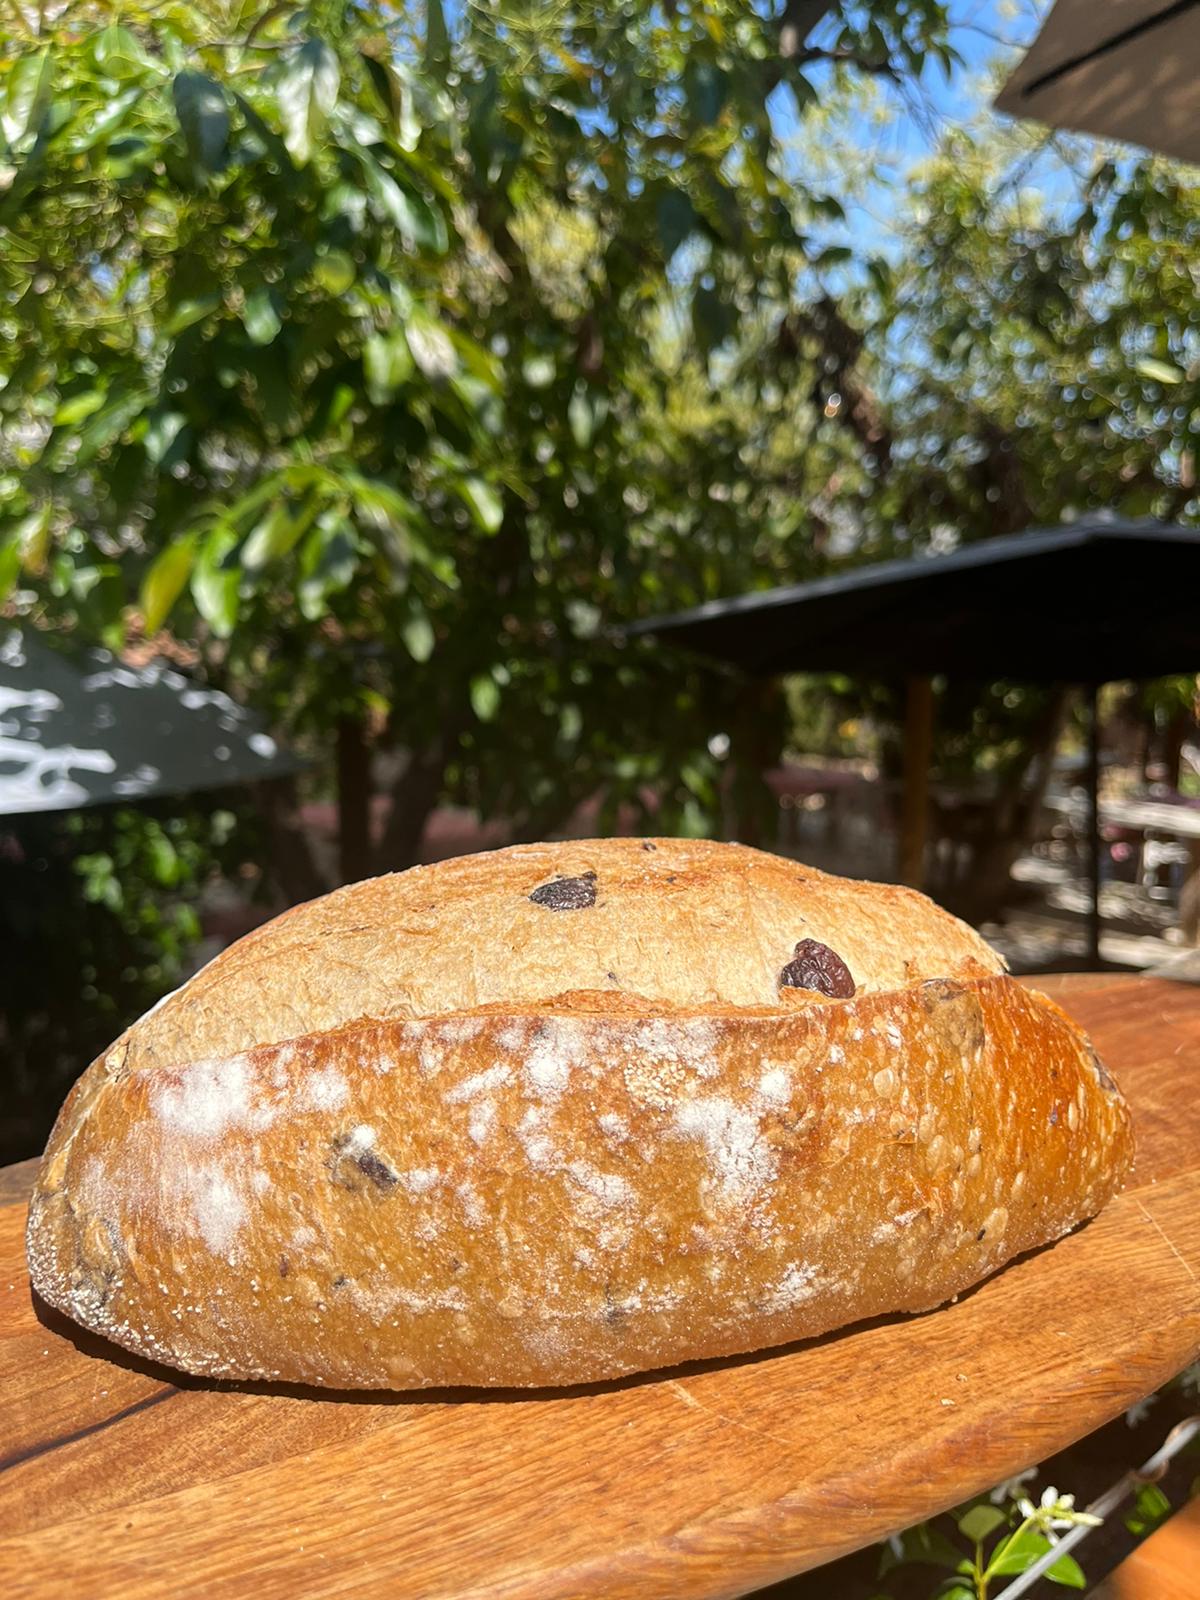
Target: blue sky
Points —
{"points": [[913, 117], [982, 31]]}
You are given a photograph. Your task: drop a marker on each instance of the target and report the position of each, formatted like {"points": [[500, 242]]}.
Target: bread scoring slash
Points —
{"points": [[564, 1112]]}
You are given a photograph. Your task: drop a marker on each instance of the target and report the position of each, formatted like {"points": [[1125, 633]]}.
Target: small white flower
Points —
{"points": [[1056, 1513], [1139, 1411]]}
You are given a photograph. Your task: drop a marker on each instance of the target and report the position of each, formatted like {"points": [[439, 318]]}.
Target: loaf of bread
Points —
{"points": [[564, 1112]]}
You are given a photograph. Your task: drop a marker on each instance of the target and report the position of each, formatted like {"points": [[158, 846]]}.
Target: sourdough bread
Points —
{"points": [[563, 1112]]}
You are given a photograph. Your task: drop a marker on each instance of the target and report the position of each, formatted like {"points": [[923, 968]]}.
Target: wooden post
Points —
{"points": [[918, 752], [1189, 896], [1093, 928], [755, 751]]}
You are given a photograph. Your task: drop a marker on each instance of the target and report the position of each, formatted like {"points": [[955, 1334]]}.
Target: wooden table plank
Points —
{"points": [[1164, 1568], [16, 1182], [118, 1478]]}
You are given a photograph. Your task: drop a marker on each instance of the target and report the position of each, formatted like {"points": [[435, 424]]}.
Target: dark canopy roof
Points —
{"points": [[1090, 601], [88, 729], [1124, 71]]}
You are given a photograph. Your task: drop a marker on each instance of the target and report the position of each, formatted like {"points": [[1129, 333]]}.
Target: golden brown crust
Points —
{"points": [[553, 1187], [684, 921]]}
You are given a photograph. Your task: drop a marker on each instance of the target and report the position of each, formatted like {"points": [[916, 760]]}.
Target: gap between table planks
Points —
{"points": [[119, 1478]]}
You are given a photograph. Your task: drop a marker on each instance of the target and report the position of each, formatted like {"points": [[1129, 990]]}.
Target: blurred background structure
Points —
{"points": [[98, 730], [376, 368], [1036, 606], [1125, 73]]}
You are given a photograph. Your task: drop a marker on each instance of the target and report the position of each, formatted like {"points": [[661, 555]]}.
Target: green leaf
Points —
{"points": [[162, 430], [260, 318], [328, 562], [1150, 1507], [164, 861], [334, 271], [267, 490], [98, 123], [437, 41], [706, 87], [418, 637], [307, 91], [382, 508], [203, 114], [431, 346], [676, 219], [421, 225], [406, 121], [215, 582], [1159, 371], [580, 419], [1067, 1571], [10, 567], [387, 363], [1013, 1555], [27, 93], [188, 312], [484, 504], [341, 402], [835, 255], [32, 536], [165, 581], [119, 54], [78, 407], [262, 137], [108, 424], [880, 274], [981, 1521], [277, 533], [485, 697], [713, 320]]}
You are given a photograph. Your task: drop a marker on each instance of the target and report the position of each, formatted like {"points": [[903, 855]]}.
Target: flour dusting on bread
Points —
{"points": [[565, 1112]]}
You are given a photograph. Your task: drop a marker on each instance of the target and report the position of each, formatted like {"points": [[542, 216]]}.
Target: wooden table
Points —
{"points": [[122, 1479], [1164, 1567]]}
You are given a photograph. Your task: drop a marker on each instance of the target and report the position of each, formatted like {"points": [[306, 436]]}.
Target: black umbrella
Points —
{"points": [[1085, 603]]}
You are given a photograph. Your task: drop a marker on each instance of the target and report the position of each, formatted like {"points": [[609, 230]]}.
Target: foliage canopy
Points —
{"points": [[391, 359]]}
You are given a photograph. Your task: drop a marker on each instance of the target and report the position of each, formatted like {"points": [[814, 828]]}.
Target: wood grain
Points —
{"points": [[117, 1478], [1164, 1568], [16, 1182]]}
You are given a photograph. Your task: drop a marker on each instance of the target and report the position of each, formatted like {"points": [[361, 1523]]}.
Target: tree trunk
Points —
{"points": [[354, 800], [918, 749], [756, 747], [418, 788], [292, 860], [1014, 814], [414, 796]]}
